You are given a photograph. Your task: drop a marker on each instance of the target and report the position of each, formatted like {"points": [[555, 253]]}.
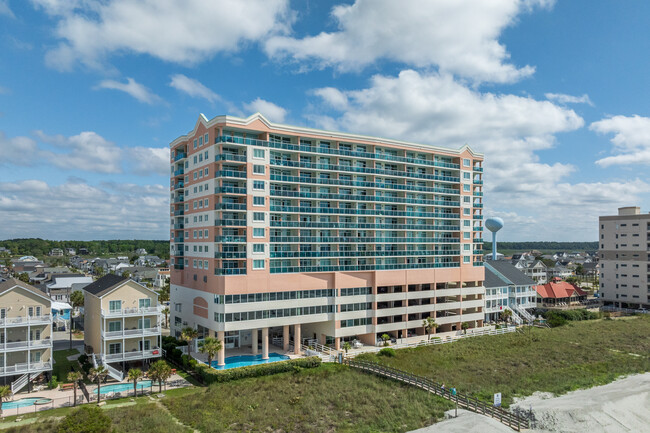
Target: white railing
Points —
{"points": [[522, 311], [32, 344], [611, 308], [515, 317], [434, 340], [131, 332], [130, 312], [25, 367], [25, 320], [94, 358], [112, 371], [127, 356], [19, 383]]}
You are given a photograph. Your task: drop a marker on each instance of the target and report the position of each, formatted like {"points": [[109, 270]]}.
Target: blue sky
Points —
{"points": [[555, 93]]}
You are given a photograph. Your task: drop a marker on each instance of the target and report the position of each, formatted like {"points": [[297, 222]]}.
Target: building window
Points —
{"points": [[114, 348], [258, 153], [144, 303], [195, 143], [205, 138], [466, 259], [114, 326], [466, 188], [258, 264], [258, 201], [258, 169], [466, 163], [258, 248], [114, 306], [258, 184], [258, 216], [258, 232]]}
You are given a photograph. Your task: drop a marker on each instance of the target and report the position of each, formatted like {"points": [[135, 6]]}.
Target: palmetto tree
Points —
{"points": [[98, 374], [506, 315], [429, 324], [189, 334], [159, 372], [74, 377], [165, 311], [134, 374], [347, 346], [464, 326], [5, 394], [211, 347]]}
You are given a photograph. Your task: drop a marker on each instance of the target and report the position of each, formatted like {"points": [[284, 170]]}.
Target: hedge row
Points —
{"points": [[210, 375], [560, 317]]}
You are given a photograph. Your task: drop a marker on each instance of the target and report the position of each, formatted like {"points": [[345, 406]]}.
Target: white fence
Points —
{"points": [[434, 340]]}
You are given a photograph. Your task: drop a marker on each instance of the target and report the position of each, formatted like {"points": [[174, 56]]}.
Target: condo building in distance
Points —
{"points": [[624, 242], [302, 236]]}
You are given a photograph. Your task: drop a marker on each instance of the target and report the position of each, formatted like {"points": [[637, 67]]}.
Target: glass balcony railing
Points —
{"points": [[230, 271], [230, 173], [373, 212], [230, 239], [230, 206], [180, 155], [229, 222], [229, 190], [334, 254], [313, 149], [341, 182], [342, 225], [356, 197], [341, 239], [230, 157], [345, 268]]}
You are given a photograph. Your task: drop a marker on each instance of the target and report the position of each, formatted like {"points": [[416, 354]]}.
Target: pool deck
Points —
{"points": [[62, 398], [245, 351]]}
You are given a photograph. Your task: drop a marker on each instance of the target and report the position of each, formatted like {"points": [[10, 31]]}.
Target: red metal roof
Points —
{"points": [[558, 290]]}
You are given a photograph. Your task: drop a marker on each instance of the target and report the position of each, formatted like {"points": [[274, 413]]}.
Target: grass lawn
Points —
{"points": [[328, 398], [577, 355], [62, 366]]}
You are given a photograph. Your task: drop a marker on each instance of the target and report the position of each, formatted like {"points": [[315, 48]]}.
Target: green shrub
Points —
{"points": [[210, 375], [561, 317], [86, 419], [53, 383], [83, 358], [388, 352]]}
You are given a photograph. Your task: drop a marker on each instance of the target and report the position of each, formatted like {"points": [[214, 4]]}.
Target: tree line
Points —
{"points": [[539, 245], [39, 247]]}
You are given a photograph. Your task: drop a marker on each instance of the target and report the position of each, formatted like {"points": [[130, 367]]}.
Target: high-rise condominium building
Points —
{"points": [[305, 235], [624, 242]]}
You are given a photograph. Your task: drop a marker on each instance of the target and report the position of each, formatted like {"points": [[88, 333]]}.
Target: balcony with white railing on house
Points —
{"points": [[25, 367], [146, 311], [130, 333], [136, 354], [10, 346], [25, 320]]}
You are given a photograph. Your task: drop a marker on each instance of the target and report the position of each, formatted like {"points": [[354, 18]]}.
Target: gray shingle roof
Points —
{"points": [[104, 284], [508, 271]]}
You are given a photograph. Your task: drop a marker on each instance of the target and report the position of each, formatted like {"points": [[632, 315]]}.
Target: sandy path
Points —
{"points": [[621, 406]]}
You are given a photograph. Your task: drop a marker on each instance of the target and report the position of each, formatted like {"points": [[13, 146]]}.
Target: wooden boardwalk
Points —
{"points": [[512, 420]]}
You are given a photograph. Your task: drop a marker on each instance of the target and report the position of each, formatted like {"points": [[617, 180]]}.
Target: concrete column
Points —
{"points": [[221, 357], [296, 338], [265, 343], [285, 338], [254, 341], [337, 343]]}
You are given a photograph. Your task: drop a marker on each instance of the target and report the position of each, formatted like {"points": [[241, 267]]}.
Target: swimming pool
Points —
{"points": [[24, 402], [245, 360], [123, 387]]}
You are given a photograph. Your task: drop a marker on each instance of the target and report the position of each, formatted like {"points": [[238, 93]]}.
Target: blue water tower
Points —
{"points": [[494, 225]]}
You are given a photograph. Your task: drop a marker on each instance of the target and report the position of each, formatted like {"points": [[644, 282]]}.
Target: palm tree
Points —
{"points": [[134, 374], [506, 315], [159, 372], [386, 339], [429, 324], [5, 394], [98, 374], [347, 346], [210, 346], [464, 326], [74, 377], [189, 334], [165, 311]]}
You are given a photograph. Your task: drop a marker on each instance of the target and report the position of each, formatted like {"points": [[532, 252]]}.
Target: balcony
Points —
{"points": [[180, 155], [230, 157], [477, 168], [25, 367], [478, 182], [230, 271], [11, 346], [128, 356], [179, 239], [130, 312], [179, 172], [129, 333], [230, 190], [25, 320], [230, 239]]}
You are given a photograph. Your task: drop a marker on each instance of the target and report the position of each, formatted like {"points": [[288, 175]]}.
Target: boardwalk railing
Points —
{"points": [[512, 420]]}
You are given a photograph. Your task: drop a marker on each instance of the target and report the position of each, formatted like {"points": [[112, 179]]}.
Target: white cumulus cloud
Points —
{"points": [[193, 88], [562, 98], [631, 139], [183, 32], [509, 129], [457, 36], [133, 88], [271, 111]]}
